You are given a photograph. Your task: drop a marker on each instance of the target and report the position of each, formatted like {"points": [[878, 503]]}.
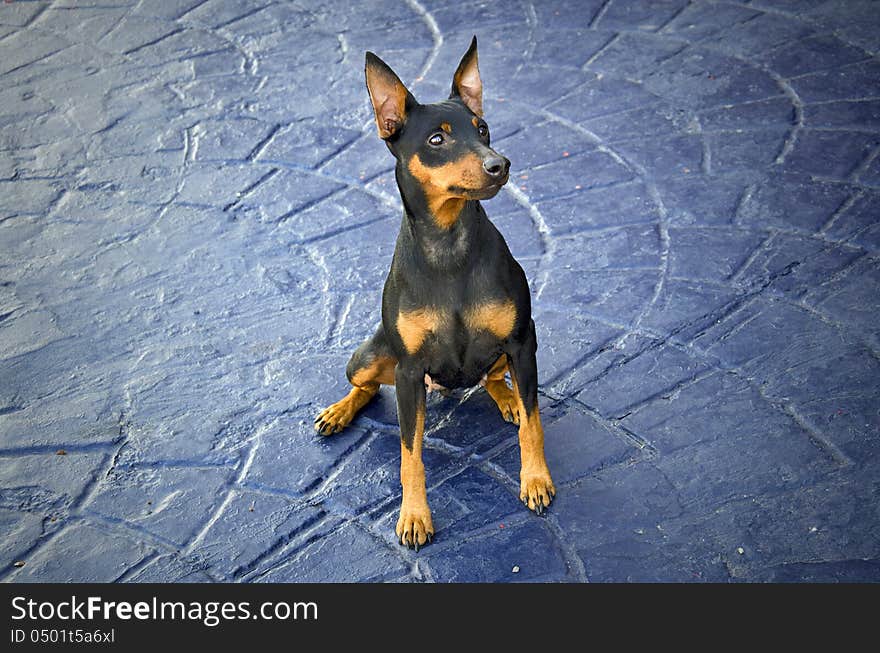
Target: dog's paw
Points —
{"points": [[414, 528], [509, 410], [505, 400], [536, 490], [334, 418]]}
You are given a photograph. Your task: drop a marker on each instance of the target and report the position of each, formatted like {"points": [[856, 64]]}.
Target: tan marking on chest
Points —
{"points": [[438, 181], [415, 326], [496, 317]]}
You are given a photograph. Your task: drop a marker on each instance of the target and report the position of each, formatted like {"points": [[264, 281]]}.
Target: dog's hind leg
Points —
{"points": [[371, 364], [500, 392]]}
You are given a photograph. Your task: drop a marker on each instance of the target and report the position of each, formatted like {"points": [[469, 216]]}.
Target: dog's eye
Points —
{"points": [[436, 139], [483, 131]]}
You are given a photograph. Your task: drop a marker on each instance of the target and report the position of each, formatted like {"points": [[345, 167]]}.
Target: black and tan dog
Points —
{"points": [[456, 308]]}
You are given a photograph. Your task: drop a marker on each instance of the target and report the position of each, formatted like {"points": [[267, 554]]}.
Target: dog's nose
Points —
{"points": [[496, 166]]}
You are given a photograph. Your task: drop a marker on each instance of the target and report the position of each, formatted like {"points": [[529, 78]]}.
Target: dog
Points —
{"points": [[456, 308]]}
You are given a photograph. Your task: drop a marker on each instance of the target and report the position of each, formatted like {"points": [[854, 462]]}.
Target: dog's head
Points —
{"points": [[443, 148]]}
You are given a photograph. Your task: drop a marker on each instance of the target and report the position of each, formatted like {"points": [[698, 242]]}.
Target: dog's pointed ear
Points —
{"points": [[466, 83], [391, 99]]}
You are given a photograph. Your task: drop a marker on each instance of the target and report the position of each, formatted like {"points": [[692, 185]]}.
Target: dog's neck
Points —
{"points": [[442, 248]]}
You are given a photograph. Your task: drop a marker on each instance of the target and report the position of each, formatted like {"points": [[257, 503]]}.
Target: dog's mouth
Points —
{"points": [[486, 192]]}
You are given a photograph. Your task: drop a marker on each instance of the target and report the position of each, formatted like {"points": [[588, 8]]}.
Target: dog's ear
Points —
{"points": [[391, 99], [466, 83]]}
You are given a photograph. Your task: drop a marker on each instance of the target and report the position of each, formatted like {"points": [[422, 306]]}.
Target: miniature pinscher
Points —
{"points": [[456, 309]]}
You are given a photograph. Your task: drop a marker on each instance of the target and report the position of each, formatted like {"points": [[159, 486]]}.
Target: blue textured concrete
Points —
{"points": [[196, 218]]}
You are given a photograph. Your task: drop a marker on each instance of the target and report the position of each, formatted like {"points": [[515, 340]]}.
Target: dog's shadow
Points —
{"points": [[461, 420]]}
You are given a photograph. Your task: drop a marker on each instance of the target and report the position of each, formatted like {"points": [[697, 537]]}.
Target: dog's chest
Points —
{"points": [[493, 319], [457, 345]]}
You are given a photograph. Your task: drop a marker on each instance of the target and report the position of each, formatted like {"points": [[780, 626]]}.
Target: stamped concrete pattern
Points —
{"points": [[196, 218]]}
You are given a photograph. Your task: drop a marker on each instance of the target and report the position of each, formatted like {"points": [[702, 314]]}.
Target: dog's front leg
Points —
{"points": [[536, 486], [414, 528]]}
